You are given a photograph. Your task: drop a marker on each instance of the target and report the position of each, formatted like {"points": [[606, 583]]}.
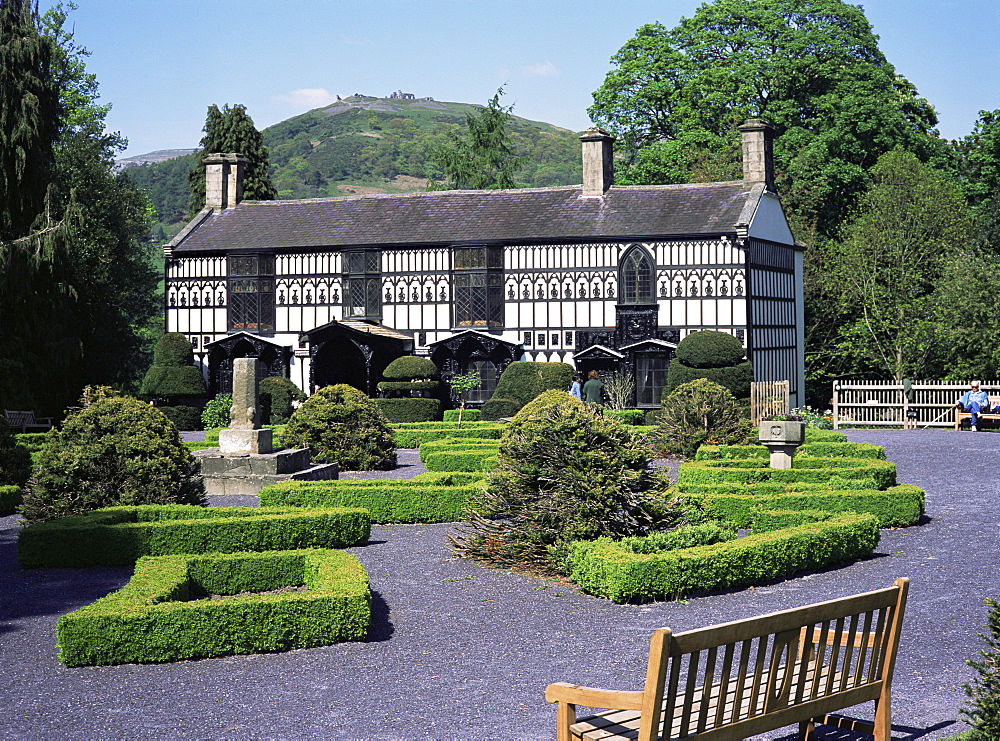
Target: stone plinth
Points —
{"points": [[246, 474], [245, 441]]}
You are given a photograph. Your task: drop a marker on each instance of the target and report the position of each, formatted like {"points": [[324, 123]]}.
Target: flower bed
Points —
{"points": [[158, 616]]}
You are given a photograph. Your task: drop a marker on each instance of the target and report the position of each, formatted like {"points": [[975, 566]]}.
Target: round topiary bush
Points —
{"points": [[339, 424], [410, 368], [716, 356], [701, 412], [277, 399], [116, 450], [563, 473], [15, 460], [173, 375]]}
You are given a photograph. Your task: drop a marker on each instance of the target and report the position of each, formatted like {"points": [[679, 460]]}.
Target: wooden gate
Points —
{"points": [[890, 404]]}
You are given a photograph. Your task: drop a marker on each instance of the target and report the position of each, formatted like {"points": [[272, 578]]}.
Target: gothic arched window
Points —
{"points": [[635, 277]]}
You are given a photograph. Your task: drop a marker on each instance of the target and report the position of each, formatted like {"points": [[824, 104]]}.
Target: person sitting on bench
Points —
{"points": [[975, 402]]}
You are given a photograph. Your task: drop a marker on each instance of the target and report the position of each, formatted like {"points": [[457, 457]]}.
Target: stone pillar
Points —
{"points": [[598, 161], [242, 435], [223, 180], [758, 156]]}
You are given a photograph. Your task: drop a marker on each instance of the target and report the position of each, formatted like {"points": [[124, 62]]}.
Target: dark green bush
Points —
{"points": [[173, 374], [15, 459], [118, 536], [410, 368], [339, 424], [409, 410], [216, 412], [697, 413], [162, 614], [497, 408], [563, 474], [10, 499], [628, 416], [984, 691], [113, 451], [522, 381], [183, 417], [277, 396], [716, 356]]}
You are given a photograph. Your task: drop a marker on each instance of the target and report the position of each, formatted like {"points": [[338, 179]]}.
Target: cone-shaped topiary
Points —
{"points": [[339, 424], [173, 374], [700, 412], [522, 381], [717, 356], [276, 397], [116, 450], [563, 473]]}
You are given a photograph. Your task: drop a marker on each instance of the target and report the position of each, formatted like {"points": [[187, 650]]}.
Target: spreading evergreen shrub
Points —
{"points": [[183, 417], [409, 410], [173, 375], [15, 459], [562, 474], [715, 356], [277, 397], [216, 412], [114, 451], [983, 709], [339, 424], [521, 382], [697, 413]]}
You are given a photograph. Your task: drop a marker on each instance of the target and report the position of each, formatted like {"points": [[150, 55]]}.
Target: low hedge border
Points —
{"points": [[387, 501], [10, 499], [837, 473], [157, 616], [415, 409], [446, 478], [118, 536], [31, 440], [469, 415], [897, 506], [812, 449], [603, 568], [454, 445], [407, 436], [462, 460]]}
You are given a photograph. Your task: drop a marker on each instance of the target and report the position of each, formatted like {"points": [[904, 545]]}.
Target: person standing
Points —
{"points": [[975, 402], [576, 387], [593, 389]]}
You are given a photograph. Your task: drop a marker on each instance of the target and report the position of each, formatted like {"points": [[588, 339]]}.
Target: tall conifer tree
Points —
{"points": [[231, 130]]}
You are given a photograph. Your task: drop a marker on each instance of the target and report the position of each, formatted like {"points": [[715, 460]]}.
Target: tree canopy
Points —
{"points": [[232, 130]]}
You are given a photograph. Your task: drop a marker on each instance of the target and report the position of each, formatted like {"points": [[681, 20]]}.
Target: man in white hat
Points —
{"points": [[975, 402]]}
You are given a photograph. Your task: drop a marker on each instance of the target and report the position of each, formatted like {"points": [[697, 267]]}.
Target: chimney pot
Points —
{"points": [[223, 180], [598, 161], [758, 155]]}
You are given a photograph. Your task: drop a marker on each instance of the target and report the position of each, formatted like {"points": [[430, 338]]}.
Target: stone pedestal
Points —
{"points": [[247, 473], [782, 437], [245, 441]]}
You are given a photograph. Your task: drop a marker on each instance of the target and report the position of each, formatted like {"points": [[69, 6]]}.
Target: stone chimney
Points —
{"points": [[598, 161], [223, 180], [758, 158]]}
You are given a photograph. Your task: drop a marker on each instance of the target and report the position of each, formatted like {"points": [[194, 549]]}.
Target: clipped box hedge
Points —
{"points": [[469, 415], [118, 536], [897, 506], [10, 499], [158, 615], [457, 444], [814, 449], [603, 568], [462, 460], [837, 473], [415, 435], [409, 409], [388, 501]]}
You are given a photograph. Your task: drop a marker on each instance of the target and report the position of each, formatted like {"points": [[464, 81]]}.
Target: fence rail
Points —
{"points": [[890, 404], [767, 398]]}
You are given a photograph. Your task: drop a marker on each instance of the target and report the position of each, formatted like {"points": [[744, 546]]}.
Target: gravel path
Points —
{"points": [[461, 652]]}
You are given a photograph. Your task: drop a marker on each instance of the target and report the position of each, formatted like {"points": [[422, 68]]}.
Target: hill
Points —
{"points": [[368, 145]]}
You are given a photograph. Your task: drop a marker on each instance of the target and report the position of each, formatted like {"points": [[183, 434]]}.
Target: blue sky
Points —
{"points": [[161, 63]]}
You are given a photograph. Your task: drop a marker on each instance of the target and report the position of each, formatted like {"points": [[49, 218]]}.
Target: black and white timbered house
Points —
{"points": [[599, 276]]}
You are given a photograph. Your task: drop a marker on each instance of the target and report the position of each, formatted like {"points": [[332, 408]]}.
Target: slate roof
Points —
{"points": [[455, 217]]}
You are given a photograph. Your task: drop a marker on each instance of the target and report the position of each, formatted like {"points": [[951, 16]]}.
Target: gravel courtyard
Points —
{"points": [[457, 651]]}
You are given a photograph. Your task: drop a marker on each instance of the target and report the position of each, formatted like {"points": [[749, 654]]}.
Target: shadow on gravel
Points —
{"points": [[825, 733], [381, 628]]}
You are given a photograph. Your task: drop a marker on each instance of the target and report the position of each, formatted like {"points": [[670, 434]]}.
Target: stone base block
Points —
{"points": [[245, 441], [245, 474], [251, 484]]}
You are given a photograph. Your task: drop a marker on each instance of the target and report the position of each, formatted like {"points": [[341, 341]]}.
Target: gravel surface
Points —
{"points": [[457, 651]]}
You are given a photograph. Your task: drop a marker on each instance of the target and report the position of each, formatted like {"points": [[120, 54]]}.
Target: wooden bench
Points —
{"points": [[26, 421], [738, 679], [961, 415]]}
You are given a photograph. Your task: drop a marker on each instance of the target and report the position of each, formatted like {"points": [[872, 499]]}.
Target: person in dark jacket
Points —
{"points": [[593, 389]]}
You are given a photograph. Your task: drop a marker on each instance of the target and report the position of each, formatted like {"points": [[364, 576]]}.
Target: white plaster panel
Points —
{"points": [[768, 221]]}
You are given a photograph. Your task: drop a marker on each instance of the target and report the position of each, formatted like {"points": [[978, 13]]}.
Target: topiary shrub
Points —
{"points": [[339, 424], [521, 382], [216, 412], [115, 450], [562, 474], [15, 459], [173, 375], [716, 356], [409, 410], [410, 368], [277, 397], [183, 417], [700, 412]]}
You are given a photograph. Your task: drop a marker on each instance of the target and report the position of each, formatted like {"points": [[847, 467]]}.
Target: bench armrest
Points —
{"points": [[593, 697]]}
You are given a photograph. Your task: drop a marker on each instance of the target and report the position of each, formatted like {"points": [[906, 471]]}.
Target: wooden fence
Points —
{"points": [[888, 404], [767, 398]]}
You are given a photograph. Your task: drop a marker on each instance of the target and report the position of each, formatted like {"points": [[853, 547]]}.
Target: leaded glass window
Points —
{"points": [[363, 279], [477, 286], [636, 277], [251, 292]]}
